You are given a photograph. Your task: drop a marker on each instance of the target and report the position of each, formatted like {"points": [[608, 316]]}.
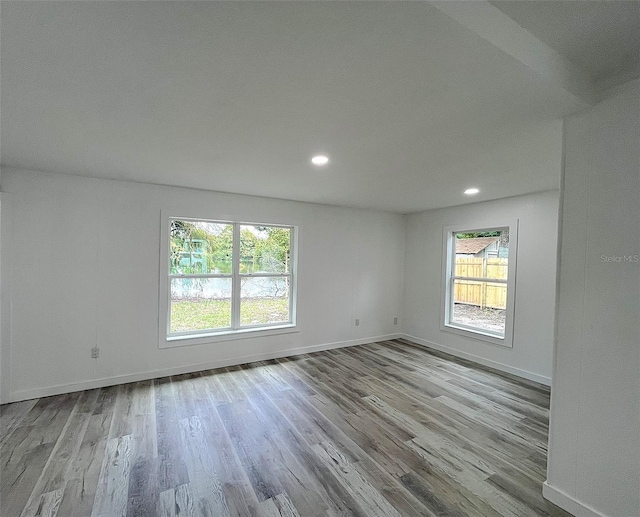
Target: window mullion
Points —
{"points": [[173, 275], [265, 275], [236, 286], [480, 279]]}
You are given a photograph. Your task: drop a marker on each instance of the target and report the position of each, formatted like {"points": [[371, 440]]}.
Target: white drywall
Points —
{"points": [[83, 258], [531, 355], [594, 454]]}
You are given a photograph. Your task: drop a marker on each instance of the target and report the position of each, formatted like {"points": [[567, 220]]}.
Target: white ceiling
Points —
{"points": [[413, 101], [601, 36]]}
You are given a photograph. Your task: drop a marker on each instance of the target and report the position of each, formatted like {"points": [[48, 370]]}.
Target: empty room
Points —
{"points": [[320, 258]]}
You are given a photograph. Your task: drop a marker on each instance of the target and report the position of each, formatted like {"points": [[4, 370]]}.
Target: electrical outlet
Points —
{"points": [[395, 320], [95, 352], [357, 323]]}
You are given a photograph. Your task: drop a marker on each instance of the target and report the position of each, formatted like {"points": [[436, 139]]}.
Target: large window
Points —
{"points": [[479, 282], [225, 278]]}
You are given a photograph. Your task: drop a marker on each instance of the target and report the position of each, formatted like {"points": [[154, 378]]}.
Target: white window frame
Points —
{"points": [[236, 330], [448, 277]]}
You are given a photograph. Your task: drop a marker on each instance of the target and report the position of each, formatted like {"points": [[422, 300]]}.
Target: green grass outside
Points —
{"points": [[212, 314]]}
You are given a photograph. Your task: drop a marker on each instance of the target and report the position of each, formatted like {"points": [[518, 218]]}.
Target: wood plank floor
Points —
{"points": [[384, 429]]}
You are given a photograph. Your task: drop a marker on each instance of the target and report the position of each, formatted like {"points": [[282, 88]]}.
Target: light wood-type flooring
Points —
{"points": [[384, 429]]}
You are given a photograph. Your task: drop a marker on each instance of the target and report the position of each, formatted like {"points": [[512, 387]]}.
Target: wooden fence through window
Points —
{"points": [[481, 293]]}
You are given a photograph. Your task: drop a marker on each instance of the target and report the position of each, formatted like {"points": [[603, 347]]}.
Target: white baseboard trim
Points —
{"points": [[481, 360], [18, 396], [568, 503]]}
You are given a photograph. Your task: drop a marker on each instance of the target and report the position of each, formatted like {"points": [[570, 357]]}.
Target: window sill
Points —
{"points": [[228, 335], [477, 334]]}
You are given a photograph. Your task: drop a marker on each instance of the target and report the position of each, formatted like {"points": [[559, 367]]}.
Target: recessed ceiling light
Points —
{"points": [[471, 191], [320, 160]]}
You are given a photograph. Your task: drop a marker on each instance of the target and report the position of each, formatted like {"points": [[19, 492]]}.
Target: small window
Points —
{"points": [[224, 278], [479, 282]]}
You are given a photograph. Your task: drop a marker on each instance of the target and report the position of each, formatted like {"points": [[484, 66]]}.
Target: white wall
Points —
{"points": [[1, 291], [594, 454], [82, 256], [531, 355]]}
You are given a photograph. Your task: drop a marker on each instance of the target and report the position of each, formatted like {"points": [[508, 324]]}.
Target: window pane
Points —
{"points": [[201, 247], [481, 305], [200, 303], [264, 249], [264, 300], [482, 255]]}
